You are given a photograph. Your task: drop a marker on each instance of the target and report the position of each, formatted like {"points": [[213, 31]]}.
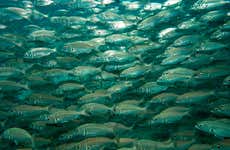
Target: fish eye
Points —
{"points": [[89, 113], [199, 125], [113, 114], [211, 130], [156, 119], [218, 146]]}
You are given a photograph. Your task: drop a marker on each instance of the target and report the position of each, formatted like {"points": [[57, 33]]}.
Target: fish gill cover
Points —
{"points": [[114, 74]]}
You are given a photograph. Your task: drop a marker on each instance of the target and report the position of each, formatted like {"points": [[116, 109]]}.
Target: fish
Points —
{"points": [[212, 72], [174, 60], [63, 116], [26, 111], [114, 57], [41, 142], [41, 99], [84, 73], [97, 110], [175, 76], [163, 98], [38, 53], [149, 144], [126, 143], [186, 40], [133, 112], [16, 13], [120, 88], [88, 131], [9, 73], [208, 5], [91, 143], [118, 39], [162, 17], [151, 88], [119, 129], [57, 76], [170, 115], [208, 47], [43, 2], [98, 96], [200, 146], [18, 136], [191, 24], [43, 35], [226, 81], [213, 16], [221, 145], [134, 72], [195, 98], [221, 110], [70, 90], [6, 55], [218, 128], [11, 86], [142, 49], [68, 21], [77, 48]]}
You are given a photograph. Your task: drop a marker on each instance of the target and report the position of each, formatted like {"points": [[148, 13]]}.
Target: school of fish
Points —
{"points": [[115, 75]]}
